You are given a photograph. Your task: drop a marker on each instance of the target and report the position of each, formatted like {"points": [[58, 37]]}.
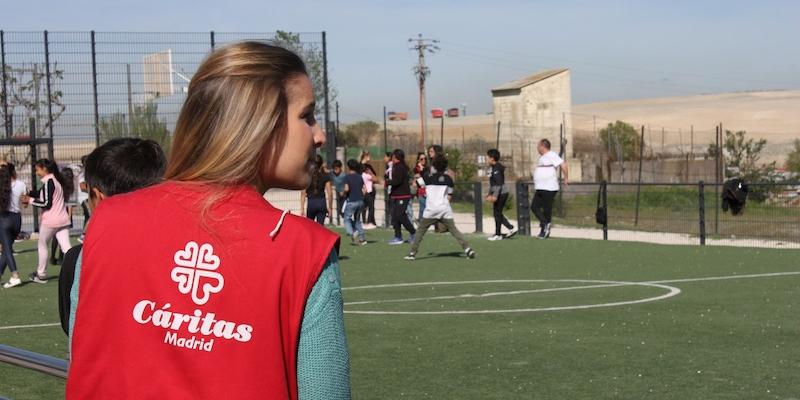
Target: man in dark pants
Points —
{"points": [[400, 196], [545, 180]]}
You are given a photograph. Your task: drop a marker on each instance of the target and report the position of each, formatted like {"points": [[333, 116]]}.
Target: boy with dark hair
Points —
{"points": [[400, 195], [118, 166], [355, 189], [438, 187], [498, 195], [338, 176]]}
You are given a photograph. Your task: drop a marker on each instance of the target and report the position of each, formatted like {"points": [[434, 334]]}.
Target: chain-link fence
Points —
{"points": [[64, 93], [616, 150], [671, 213]]}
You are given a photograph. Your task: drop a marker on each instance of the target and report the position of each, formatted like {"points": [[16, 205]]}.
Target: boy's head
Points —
{"points": [[354, 166], [123, 165], [494, 156], [399, 155], [337, 167], [387, 157], [544, 146], [440, 163]]}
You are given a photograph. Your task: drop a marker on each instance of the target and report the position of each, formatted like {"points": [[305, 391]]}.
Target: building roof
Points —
{"points": [[529, 80]]}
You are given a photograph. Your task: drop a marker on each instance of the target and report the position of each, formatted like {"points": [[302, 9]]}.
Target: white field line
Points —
{"points": [[490, 294], [2, 328], [720, 278]]}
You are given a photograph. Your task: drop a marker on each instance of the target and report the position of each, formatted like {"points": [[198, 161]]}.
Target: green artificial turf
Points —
{"points": [[716, 339]]}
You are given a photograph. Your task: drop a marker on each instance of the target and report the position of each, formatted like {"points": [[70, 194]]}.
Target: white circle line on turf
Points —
{"points": [[647, 283], [2, 328], [672, 291]]}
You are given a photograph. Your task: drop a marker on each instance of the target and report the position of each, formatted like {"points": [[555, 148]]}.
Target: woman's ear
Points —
{"points": [[95, 197]]}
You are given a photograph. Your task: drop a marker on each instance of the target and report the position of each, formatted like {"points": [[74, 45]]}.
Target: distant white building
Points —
{"points": [[533, 108]]}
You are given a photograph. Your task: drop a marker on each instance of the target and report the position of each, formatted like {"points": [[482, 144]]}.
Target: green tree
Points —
{"points": [[742, 155], [360, 134], [143, 124], [624, 141], [742, 159], [27, 95], [793, 159], [311, 53], [464, 171]]}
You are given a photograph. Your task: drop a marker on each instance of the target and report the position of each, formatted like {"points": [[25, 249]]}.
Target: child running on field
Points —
{"points": [[498, 195], [438, 188], [354, 187]]}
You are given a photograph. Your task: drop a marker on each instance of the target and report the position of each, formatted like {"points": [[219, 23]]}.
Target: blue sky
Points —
{"points": [[616, 49]]}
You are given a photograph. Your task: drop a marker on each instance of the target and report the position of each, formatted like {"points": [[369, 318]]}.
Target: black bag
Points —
{"points": [[734, 195], [600, 216]]}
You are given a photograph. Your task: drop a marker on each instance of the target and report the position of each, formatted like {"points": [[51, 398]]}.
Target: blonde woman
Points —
{"points": [[197, 287]]}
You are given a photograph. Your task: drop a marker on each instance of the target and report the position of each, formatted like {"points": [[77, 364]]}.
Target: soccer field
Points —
{"points": [[554, 319]]}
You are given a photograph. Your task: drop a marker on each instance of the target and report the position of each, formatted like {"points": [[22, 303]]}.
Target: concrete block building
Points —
{"points": [[533, 108]]}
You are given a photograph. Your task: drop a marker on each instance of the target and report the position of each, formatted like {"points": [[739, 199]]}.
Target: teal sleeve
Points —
{"points": [[323, 362], [73, 295]]}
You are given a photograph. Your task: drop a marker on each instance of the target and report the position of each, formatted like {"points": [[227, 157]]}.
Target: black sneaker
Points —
{"points": [[541, 234], [469, 252]]}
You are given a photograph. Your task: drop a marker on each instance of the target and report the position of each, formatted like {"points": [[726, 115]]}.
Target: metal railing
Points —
{"points": [[34, 361]]}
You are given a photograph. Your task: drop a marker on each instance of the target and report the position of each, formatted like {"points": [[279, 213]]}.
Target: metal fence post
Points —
{"points": [[604, 192], [387, 210], [702, 210], [213, 41], [478, 200], [717, 179], [6, 117], [523, 212], [34, 157], [330, 134], [639, 179], [94, 92], [49, 90]]}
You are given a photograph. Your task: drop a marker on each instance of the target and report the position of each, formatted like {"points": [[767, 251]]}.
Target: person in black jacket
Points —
{"points": [[498, 195], [400, 196]]}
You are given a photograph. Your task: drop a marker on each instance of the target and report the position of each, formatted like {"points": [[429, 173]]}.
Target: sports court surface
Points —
{"points": [[554, 319]]}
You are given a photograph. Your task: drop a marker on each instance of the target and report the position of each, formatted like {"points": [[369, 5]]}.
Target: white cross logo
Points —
{"points": [[195, 272]]}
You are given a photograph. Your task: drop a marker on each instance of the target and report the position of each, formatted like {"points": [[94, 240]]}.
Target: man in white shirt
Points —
{"points": [[545, 181]]}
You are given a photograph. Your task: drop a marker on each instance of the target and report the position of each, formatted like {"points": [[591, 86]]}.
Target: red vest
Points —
{"points": [[172, 309]]}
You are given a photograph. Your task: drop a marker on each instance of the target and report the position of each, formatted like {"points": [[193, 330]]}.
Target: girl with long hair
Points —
{"points": [[370, 178], [54, 220], [226, 295], [11, 190], [319, 194], [420, 171]]}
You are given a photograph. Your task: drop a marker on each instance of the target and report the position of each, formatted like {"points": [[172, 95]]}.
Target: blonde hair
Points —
{"points": [[234, 119]]}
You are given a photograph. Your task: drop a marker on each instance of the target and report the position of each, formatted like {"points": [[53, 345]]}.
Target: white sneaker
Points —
{"points": [[494, 238], [511, 233], [12, 282], [370, 226]]}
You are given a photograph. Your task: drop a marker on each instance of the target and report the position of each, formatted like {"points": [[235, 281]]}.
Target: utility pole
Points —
{"points": [[421, 46]]}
